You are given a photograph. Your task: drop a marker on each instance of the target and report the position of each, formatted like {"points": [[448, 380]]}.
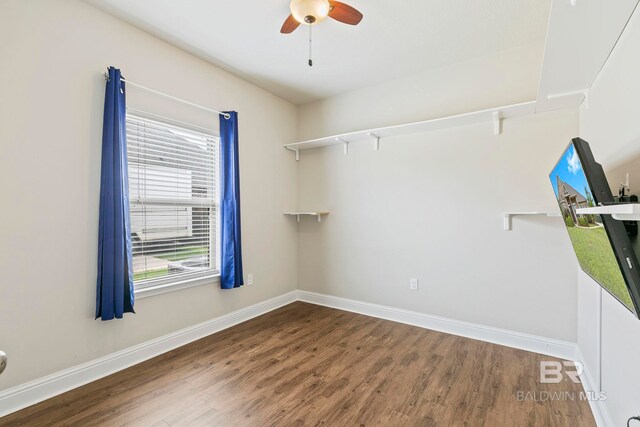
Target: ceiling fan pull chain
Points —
{"points": [[310, 47]]}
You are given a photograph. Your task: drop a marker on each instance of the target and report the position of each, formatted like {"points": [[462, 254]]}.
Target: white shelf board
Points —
{"points": [[621, 212], [299, 214], [491, 115], [509, 215]]}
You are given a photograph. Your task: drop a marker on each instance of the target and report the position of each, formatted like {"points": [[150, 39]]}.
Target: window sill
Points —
{"points": [[172, 287]]}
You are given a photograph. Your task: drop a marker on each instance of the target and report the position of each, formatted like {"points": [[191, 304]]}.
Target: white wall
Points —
{"points": [[503, 78], [430, 206], [51, 103], [611, 127]]}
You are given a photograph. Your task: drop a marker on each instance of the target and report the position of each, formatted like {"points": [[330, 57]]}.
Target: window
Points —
{"points": [[173, 197]]}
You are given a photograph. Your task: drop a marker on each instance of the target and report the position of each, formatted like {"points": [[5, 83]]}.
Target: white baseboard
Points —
{"points": [[30, 393], [598, 407], [534, 343]]}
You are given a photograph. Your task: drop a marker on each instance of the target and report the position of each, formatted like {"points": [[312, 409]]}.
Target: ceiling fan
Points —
{"points": [[312, 12]]}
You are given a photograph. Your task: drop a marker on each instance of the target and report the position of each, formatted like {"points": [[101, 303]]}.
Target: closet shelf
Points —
{"points": [[509, 215], [318, 214], [491, 115], [621, 211]]}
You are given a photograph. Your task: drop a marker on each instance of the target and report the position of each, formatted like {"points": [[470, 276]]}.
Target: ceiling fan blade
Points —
{"points": [[289, 26], [344, 13]]}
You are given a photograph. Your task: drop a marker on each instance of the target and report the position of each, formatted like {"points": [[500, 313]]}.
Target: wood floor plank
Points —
{"points": [[309, 365]]}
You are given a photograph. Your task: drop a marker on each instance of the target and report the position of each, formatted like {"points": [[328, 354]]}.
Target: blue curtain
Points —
{"points": [[115, 273], [230, 239]]}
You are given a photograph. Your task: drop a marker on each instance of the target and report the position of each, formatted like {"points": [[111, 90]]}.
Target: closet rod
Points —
{"points": [[157, 92]]}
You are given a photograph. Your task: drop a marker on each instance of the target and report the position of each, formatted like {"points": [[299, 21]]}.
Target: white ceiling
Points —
{"points": [[395, 38]]}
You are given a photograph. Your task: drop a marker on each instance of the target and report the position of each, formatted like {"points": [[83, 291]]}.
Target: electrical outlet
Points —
{"points": [[249, 279], [413, 284]]}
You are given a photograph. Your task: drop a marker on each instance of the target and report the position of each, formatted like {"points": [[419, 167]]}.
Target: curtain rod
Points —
{"points": [[201, 129], [157, 92]]}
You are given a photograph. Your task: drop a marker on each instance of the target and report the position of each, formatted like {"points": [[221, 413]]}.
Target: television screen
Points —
{"points": [[600, 242]]}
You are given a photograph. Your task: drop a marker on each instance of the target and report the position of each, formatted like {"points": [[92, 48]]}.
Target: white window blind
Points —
{"points": [[173, 197]]}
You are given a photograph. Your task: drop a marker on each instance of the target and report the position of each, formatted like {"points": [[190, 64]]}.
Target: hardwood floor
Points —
{"points": [[309, 365]]}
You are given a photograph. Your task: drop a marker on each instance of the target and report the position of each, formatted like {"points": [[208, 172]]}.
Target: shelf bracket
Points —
{"points": [[295, 150], [507, 222], [346, 144], [376, 143], [497, 123]]}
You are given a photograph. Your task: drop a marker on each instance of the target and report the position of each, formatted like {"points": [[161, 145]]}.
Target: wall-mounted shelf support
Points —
{"points": [[299, 214], [584, 93], [507, 217], [621, 212], [497, 123], [346, 144], [376, 143], [295, 150]]}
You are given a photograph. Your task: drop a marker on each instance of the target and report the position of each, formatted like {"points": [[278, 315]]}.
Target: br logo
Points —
{"points": [[552, 372]]}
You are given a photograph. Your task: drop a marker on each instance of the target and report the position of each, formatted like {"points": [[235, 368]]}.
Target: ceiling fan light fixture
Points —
{"points": [[310, 12]]}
